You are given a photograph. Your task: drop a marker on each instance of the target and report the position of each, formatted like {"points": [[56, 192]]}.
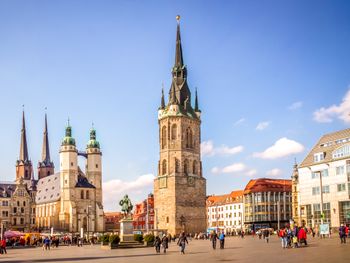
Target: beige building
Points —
{"points": [[324, 182], [180, 188], [68, 201]]}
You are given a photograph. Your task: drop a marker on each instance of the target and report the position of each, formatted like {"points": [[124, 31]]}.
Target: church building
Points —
{"points": [[180, 188]]}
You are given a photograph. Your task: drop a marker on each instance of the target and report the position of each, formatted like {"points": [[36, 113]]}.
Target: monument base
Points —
{"points": [[127, 234]]}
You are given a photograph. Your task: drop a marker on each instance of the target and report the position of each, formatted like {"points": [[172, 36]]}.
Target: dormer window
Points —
{"points": [[318, 157]]}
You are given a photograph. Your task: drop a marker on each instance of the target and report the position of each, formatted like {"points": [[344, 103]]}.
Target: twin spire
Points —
{"points": [[179, 93], [23, 151]]}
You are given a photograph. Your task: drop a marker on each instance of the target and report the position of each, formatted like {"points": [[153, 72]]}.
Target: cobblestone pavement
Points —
{"points": [[237, 250]]}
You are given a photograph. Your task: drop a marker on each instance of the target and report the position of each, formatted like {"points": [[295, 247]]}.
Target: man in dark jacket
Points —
{"points": [[342, 234], [165, 242], [213, 238]]}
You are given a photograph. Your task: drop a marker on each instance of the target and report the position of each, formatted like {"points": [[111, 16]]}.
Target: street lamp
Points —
{"points": [[87, 223]]}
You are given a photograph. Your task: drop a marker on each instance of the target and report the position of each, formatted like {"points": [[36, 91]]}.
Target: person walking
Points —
{"points": [[222, 240], [213, 238], [182, 242], [302, 236], [165, 242], [283, 236], [342, 234], [267, 235], [157, 243]]}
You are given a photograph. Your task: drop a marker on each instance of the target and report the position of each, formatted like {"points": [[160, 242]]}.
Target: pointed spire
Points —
{"points": [[162, 101], [196, 108], [45, 156], [23, 152], [172, 99], [178, 54]]}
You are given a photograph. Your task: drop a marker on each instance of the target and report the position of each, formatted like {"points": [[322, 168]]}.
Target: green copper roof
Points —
{"points": [[68, 139], [93, 143]]}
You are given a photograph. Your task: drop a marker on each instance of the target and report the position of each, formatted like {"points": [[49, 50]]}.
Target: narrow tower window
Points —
{"points": [[194, 170], [82, 194], [164, 137], [189, 139], [87, 194], [173, 132], [186, 166], [164, 167], [177, 165]]}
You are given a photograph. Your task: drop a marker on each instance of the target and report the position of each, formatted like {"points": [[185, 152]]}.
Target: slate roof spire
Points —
{"points": [[179, 61], [45, 155], [162, 101], [196, 107], [23, 152]]}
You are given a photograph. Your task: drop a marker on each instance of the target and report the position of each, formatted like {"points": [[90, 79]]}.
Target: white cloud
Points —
{"points": [[239, 122], [233, 168], [274, 172], [251, 172], [208, 149], [114, 190], [340, 111], [262, 125], [296, 105], [281, 148]]}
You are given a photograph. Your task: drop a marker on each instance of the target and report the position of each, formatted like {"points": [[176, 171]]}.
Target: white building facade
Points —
{"points": [[324, 182], [225, 212]]}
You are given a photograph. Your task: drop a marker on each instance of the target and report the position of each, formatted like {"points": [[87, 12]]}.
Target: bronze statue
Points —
{"points": [[126, 205]]}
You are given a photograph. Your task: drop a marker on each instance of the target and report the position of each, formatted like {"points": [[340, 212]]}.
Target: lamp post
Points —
{"points": [[87, 222]]}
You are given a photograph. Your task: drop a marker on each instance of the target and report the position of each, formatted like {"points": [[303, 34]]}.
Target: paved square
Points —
{"points": [[237, 250]]}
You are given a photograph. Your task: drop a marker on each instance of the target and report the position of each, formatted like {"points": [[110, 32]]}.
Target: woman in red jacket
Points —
{"points": [[302, 236]]}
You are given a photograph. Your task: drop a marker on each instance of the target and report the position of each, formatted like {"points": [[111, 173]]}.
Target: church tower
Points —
{"points": [[24, 167], [180, 188], [68, 180], [45, 166], [94, 176]]}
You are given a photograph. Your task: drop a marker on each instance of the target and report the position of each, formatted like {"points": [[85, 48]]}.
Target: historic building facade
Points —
{"points": [[324, 182], [143, 216], [180, 188], [69, 200], [267, 203], [225, 212]]}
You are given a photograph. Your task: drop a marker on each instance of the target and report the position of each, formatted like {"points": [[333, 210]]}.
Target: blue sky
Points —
{"points": [[267, 64]]}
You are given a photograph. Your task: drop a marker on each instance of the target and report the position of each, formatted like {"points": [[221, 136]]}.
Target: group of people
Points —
{"points": [[214, 237], [166, 239], [293, 238], [343, 233]]}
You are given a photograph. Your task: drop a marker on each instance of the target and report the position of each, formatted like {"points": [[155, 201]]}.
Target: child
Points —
{"points": [[295, 241]]}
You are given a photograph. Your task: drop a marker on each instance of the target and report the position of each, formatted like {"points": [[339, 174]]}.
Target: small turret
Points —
{"points": [[68, 139]]}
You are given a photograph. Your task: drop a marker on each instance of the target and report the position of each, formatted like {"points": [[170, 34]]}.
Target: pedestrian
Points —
{"points": [[213, 238], [3, 246], [222, 240], [302, 236], [157, 243], [165, 242], [283, 236], [267, 235], [46, 243], [342, 234], [182, 242]]}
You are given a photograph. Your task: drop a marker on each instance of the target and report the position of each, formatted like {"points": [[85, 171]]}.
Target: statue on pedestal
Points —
{"points": [[126, 205]]}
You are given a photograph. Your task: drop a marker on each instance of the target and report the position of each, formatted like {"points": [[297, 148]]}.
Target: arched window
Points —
{"points": [[164, 137], [189, 138], [164, 167], [177, 165], [173, 132], [194, 167], [48, 173], [82, 194], [26, 174], [186, 164], [87, 194]]}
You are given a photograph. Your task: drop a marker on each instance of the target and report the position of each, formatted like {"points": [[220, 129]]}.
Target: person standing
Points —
{"points": [[165, 242], [267, 235], [213, 238], [342, 234], [182, 242], [157, 243], [302, 236], [222, 240], [3, 246]]}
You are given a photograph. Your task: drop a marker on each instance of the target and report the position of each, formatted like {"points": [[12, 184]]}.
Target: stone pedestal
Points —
{"points": [[126, 230]]}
